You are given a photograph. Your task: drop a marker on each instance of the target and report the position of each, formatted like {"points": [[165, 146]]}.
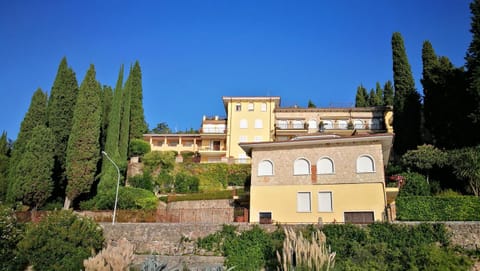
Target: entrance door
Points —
{"points": [[216, 145], [359, 217]]}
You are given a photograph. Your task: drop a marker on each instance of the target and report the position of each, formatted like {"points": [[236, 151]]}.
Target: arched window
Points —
{"points": [[325, 166], [327, 124], [282, 124], [365, 164], [297, 124], [342, 124], [301, 166], [258, 123], [265, 168], [312, 124], [358, 124], [243, 123]]}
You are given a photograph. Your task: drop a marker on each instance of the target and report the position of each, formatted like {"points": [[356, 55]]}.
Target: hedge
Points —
{"points": [[422, 208]]}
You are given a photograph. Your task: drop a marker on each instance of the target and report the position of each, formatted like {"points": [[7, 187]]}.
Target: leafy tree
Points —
{"points": [[406, 107], [108, 177], [138, 126], [11, 232], [36, 115], [361, 99], [61, 104], [4, 160], [138, 147], [473, 66], [61, 241], [33, 184], [388, 94], [161, 128], [83, 152], [466, 165], [311, 104], [424, 158]]}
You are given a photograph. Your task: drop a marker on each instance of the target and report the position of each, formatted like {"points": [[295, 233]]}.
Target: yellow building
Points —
{"points": [[249, 119], [323, 178]]}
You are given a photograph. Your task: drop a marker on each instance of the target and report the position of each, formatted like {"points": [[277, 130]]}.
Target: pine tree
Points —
{"points": [[33, 184], [311, 104], [406, 104], [109, 173], [473, 70], [4, 160], [138, 126], [361, 99], [36, 115], [83, 150], [388, 94], [61, 104], [125, 121]]}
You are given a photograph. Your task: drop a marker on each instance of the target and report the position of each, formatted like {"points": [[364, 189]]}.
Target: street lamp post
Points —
{"points": [[118, 184]]}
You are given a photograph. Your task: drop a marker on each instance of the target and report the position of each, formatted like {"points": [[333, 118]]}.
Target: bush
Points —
{"points": [[61, 241], [129, 198], [138, 147], [418, 208], [11, 232], [164, 181], [143, 181], [415, 185], [185, 183], [156, 160]]}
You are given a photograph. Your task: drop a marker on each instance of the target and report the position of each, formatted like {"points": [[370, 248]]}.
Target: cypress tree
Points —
{"points": [[61, 104], [473, 70], [109, 174], [36, 115], [83, 150], [4, 160], [33, 184], [372, 98], [125, 121], [107, 96], [388, 94], [378, 95], [138, 125], [406, 103], [361, 99]]}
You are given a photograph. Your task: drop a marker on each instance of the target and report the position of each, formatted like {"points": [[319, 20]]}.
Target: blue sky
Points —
{"points": [[194, 52]]}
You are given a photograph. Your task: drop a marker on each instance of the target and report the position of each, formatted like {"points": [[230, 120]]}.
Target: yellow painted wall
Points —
{"points": [[281, 201], [234, 132]]}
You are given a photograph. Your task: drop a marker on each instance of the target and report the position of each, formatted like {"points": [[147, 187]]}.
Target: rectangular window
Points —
{"points": [[303, 202], [265, 217], [243, 139], [325, 202], [251, 107], [257, 138], [264, 107], [238, 107], [243, 124], [258, 124]]}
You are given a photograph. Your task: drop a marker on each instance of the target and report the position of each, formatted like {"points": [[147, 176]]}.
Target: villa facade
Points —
{"points": [[262, 119]]}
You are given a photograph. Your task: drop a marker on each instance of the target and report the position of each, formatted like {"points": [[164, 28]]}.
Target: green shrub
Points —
{"points": [[61, 241], [138, 147], [418, 208], [129, 198], [415, 185], [164, 181], [143, 181], [186, 183], [11, 232], [157, 160]]}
